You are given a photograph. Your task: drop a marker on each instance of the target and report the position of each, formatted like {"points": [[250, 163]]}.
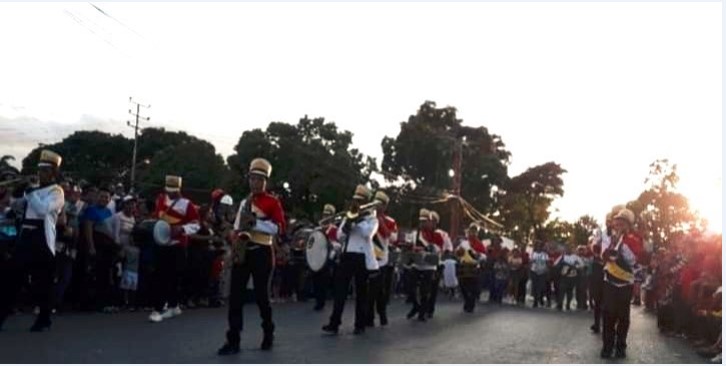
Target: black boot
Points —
{"points": [[268, 338], [231, 347], [228, 349], [619, 352], [384, 320], [40, 325], [333, 329], [606, 353], [595, 328], [412, 313]]}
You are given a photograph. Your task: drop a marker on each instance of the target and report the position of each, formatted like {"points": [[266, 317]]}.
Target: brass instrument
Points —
{"points": [[351, 216], [247, 222], [18, 180]]}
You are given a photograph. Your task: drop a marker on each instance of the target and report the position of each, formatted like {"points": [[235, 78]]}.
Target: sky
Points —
{"points": [[603, 89]]}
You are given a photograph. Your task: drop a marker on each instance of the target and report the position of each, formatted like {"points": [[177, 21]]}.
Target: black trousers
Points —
{"points": [[539, 283], [31, 258], [435, 280], [409, 284], [616, 316], [169, 264], [581, 292], [196, 273], [566, 291], [596, 289], [422, 291], [470, 290], [322, 282], [259, 264], [352, 267], [379, 292]]}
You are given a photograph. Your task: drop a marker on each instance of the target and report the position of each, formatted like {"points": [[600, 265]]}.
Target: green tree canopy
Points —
{"points": [[312, 164], [527, 198], [94, 156], [422, 155]]}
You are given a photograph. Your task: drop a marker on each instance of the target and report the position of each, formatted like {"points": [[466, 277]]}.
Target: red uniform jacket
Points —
{"points": [[267, 206], [177, 213], [434, 238], [477, 245], [387, 226]]}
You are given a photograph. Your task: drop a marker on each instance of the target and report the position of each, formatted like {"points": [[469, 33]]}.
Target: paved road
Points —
{"points": [[493, 334]]}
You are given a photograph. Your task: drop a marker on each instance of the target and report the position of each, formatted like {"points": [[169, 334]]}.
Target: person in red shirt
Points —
{"points": [[183, 217], [259, 222]]}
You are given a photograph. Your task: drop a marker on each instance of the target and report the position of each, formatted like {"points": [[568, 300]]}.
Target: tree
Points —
{"points": [[422, 155], [663, 213], [196, 161], [94, 156], [583, 229], [313, 164], [527, 198]]}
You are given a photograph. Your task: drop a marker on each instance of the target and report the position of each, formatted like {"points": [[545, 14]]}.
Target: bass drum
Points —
{"points": [[317, 250], [152, 231]]}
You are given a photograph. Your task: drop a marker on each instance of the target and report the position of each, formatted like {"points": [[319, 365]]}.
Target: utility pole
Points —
{"points": [[136, 136], [456, 187]]}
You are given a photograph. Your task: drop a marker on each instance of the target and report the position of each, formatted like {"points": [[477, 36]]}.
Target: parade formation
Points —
{"points": [[355, 254]]}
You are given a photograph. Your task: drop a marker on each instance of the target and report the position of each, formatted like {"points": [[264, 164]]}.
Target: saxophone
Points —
{"points": [[247, 221]]}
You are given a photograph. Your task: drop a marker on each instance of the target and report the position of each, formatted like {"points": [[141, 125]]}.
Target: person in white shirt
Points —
{"points": [[569, 264], [34, 255], [538, 273], [356, 260]]}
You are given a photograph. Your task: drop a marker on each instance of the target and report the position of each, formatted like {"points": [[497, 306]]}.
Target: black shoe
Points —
{"points": [[359, 331], [370, 324], [384, 320], [267, 342], [421, 317], [330, 329], [411, 314], [606, 353], [318, 307], [429, 315], [595, 329], [40, 326], [620, 353], [228, 349]]}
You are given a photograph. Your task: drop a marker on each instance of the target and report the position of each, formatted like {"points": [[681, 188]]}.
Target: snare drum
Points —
{"points": [[152, 231], [317, 251]]}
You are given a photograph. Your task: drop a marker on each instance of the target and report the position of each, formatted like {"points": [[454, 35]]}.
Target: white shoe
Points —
{"points": [[717, 359], [176, 311], [156, 317]]}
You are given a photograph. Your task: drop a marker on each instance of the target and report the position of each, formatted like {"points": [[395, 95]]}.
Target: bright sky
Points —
{"points": [[601, 88]]}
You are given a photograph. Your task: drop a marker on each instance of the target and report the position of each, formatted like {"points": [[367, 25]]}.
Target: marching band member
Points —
{"points": [[446, 246], [356, 260], [181, 214], [470, 253], [380, 285], [620, 258], [322, 278], [259, 221], [425, 242], [34, 254]]}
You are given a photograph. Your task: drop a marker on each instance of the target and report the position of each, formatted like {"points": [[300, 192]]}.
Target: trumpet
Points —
{"points": [[350, 215], [18, 180]]}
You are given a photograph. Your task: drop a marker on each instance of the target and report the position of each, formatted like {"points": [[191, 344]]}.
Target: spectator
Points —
{"points": [[568, 266], [539, 269], [102, 251]]}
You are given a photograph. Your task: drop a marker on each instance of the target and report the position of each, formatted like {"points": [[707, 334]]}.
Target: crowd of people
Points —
{"points": [[104, 260]]}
